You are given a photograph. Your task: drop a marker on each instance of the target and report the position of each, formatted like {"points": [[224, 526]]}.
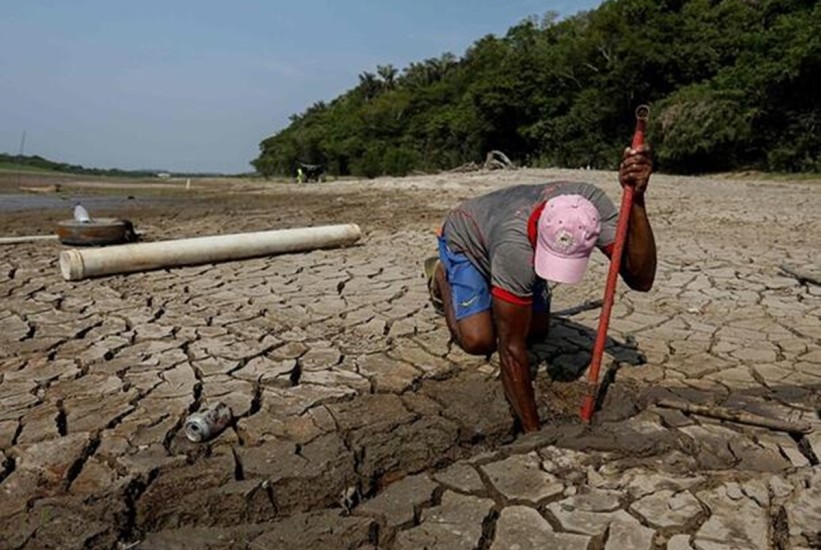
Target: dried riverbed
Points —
{"points": [[358, 425]]}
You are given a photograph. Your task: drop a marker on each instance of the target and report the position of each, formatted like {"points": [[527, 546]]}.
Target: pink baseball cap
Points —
{"points": [[567, 232]]}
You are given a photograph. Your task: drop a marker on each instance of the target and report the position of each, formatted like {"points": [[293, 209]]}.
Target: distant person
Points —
{"points": [[300, 175], [498, 251]]}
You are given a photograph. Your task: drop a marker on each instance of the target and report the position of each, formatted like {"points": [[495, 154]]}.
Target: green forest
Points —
{"points": [[732, 85]]}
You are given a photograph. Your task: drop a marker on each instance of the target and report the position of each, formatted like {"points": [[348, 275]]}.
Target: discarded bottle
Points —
{"points": [[208, 422], [81, 214]]}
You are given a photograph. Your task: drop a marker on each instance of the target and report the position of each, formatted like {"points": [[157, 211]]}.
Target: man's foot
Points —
{"points": [[431, 265]]}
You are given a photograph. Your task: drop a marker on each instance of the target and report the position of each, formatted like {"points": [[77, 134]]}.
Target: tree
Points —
{"points": [[369, 86], [388, 75]]}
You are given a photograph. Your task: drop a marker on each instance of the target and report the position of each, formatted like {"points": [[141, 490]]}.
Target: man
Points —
{"points": [[496, 252]]}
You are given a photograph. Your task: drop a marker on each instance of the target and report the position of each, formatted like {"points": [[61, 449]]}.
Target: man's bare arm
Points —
{"points": [[638, 268], [512, 325]]}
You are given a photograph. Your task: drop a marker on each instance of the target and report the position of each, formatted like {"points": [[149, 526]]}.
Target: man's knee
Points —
{"points": [[477, 342]]}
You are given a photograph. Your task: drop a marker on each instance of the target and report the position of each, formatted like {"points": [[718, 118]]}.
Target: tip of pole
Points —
{"points": [[586, 412]]}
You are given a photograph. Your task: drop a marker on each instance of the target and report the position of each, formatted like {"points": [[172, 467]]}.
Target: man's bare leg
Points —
{"points": [[474, 334]]}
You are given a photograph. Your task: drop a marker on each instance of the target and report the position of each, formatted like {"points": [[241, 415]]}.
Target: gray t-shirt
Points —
{"points": [[492, 230]]}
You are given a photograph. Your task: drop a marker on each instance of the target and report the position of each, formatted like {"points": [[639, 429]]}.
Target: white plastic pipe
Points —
{"points": [[79, 264], [27, 239]]}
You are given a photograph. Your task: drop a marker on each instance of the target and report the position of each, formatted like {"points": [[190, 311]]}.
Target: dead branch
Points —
{"points": [[741, 417], [467, 167], [497, 160], [584, 306]]}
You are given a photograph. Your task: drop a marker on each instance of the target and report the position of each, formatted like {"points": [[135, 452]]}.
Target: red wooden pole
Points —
{"points": [[642, 114]]}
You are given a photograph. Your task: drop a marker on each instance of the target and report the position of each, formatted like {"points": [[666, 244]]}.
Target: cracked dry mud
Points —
{"points": [[359, 426]]}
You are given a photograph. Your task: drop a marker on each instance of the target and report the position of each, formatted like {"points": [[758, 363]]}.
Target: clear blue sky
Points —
{"points": [[195, 85]]}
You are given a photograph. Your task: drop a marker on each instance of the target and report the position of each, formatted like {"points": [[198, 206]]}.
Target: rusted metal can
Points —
{"points": [[208, 422], [96, 232]]}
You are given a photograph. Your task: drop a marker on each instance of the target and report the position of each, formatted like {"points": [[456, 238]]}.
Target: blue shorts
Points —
{"points": [[470, 290]]}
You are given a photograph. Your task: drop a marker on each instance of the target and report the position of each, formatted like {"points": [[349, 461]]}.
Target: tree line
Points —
{"points": [[732, 84], [41, 163], [10, 161]]}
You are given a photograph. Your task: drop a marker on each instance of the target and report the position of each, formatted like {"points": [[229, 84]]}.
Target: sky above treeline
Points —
{"points": [[195, 85]]}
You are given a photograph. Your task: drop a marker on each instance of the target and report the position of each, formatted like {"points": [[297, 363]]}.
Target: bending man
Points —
{"points": [[497, 252]]}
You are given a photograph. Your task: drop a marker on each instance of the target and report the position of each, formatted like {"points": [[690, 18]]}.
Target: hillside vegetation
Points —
{"points": [[36, 163], [732, 84]]}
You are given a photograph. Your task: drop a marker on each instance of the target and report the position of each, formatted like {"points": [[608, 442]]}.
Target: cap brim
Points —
{"points": [[559, 269]]}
